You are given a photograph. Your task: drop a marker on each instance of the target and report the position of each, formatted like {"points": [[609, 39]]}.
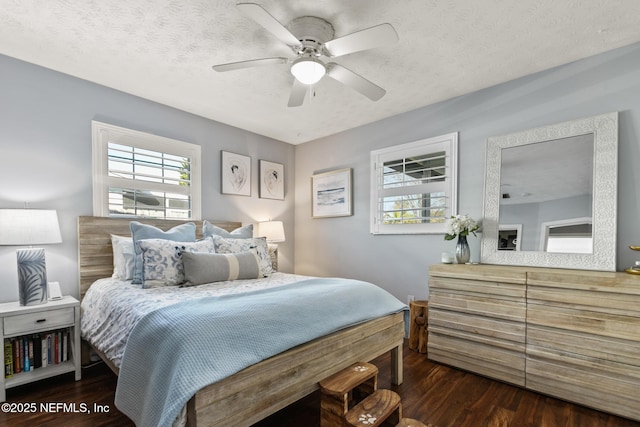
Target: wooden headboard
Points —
{"points": [[95, 255]]}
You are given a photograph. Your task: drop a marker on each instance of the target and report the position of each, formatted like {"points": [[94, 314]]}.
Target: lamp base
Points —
{"points": [[32, 276], [273, 253]]}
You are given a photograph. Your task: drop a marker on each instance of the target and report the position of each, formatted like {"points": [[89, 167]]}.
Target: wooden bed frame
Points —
{"points": [[268, 386]]}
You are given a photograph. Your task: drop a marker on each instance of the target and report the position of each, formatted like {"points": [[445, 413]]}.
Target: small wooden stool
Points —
{"points": [[381, 406], [410, 422], [342, 390], [418, 331]]}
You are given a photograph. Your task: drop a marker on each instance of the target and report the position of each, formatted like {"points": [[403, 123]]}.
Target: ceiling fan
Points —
{"points": [[311, 39]]}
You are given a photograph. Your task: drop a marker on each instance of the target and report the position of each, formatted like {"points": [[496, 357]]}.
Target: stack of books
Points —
{"points": [[28, 352]]}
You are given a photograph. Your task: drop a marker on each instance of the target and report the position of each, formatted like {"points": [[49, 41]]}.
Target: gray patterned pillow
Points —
{"points": [[162, 260], [232, 246], [202, 268]]}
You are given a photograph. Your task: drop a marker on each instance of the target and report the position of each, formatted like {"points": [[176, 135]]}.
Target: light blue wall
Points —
{"points": [[45, 142], [343, 246], [45, 149]]}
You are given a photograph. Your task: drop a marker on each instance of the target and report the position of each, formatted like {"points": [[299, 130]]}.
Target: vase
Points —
{"points": [[462, 250], [32, 276]]}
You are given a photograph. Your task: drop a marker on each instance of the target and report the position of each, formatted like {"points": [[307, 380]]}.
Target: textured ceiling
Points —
{"points": [[163, 50]]}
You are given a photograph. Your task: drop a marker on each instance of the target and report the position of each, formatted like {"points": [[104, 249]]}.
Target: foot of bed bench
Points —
{"points": [[396, 365]]}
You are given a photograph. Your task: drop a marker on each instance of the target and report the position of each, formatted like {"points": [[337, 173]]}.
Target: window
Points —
{"points": [[573, 235], [144, 175], [413, 186]]}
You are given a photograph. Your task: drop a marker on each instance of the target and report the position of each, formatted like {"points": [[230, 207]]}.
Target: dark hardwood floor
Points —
{"points": [[436, 394]]}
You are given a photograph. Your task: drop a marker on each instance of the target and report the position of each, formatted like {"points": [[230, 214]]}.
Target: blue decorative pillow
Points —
{"points": [[244, 232], [162, 263], [259, 244], [180, 233], [200, 268]]}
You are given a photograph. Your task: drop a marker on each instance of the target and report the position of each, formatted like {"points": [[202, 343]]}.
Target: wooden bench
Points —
{"points": [[381, 406], [343, 390], [350, 398], [410, 422]]}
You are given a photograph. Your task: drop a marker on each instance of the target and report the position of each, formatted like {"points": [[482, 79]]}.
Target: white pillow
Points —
{"points": [[123, 257]]}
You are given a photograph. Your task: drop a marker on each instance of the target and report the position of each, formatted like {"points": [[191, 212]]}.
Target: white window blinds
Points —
{"points": [[413, 186], [144, 175]]}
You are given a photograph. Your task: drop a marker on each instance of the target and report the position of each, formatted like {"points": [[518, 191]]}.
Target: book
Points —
{"points": [[60, 335], [65, 345], [44, 350], [8, 359], [16, 356], [26, 367], [56, 347], [21, 353], [37, 351], [50, 355], [31, 357]]}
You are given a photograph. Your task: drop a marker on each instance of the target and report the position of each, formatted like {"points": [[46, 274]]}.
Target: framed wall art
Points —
{"points": [[331, 194], [236, 174], [271, 180]]}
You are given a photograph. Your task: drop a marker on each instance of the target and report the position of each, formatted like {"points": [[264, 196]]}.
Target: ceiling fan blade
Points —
{"points": [[355, 81], [248, 64], [380, 35], [298, 92], [262, 17]]}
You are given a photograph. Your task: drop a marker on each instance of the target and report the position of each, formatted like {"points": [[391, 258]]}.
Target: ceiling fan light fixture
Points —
{"points": [[308, 70]]}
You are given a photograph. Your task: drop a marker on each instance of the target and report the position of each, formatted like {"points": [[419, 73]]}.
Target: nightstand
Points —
{"points": [[48, 333]]}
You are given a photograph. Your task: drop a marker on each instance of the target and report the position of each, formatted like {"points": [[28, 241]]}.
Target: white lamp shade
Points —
{"points": [[29, 227], [308, 70], [272, 230]]}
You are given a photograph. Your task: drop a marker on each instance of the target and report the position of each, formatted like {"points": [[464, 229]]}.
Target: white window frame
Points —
{"points": [[103, 133], [447, 143], [545, 229]]}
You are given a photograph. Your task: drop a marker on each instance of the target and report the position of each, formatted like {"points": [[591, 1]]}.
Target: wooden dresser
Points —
{"points": [[567, 333]]}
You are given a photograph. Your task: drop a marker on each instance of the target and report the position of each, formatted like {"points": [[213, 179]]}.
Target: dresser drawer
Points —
{"points": [[483, 359], [32, 322]]}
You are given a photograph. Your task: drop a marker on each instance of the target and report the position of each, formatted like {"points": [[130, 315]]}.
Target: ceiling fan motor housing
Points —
{"points": [[312, 33]]}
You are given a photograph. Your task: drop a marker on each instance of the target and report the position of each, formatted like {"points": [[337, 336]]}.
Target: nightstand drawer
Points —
{"points": [[28, 323]]}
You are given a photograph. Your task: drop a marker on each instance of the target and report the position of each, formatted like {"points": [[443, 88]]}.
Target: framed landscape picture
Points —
{"points": [[271, 180], [236, 174], [331, 194]]}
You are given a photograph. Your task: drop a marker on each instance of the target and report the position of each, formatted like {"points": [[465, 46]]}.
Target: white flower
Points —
{"points": [[460, 225]]}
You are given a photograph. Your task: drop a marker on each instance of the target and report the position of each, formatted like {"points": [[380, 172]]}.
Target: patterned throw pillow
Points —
{"points": [[162, 260], [180, 233], [232, 246]]}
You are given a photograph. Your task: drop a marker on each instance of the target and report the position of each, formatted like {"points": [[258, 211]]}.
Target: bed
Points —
{"points": [[240, 399]]}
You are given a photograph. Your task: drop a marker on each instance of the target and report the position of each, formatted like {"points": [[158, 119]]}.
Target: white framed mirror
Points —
{"points": [[559, 184]]}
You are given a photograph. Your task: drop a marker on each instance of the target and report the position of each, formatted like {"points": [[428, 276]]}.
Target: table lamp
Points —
{"points": [[274, 233], [26, 227]]}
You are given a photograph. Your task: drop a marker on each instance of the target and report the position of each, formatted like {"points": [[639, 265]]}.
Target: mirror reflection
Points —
{"points": [[546, 196]]}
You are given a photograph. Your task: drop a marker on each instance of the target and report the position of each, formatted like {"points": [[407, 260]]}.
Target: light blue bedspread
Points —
{"points": [[177, 350]]}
